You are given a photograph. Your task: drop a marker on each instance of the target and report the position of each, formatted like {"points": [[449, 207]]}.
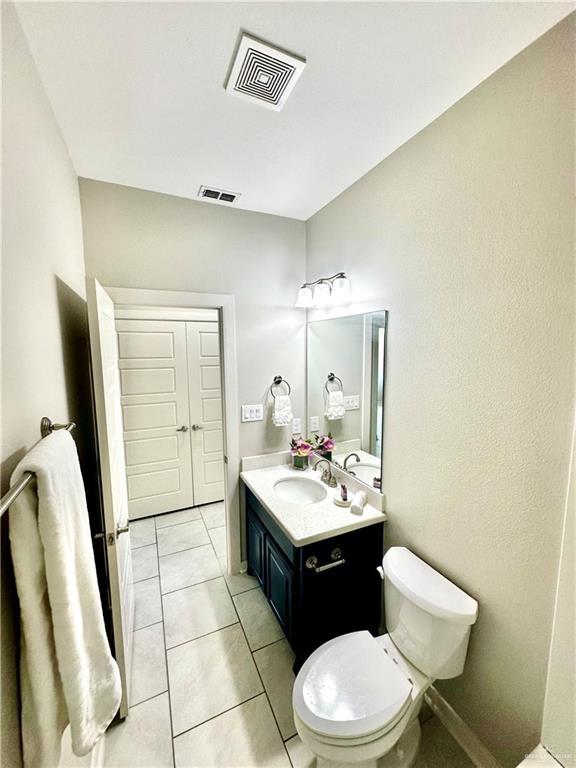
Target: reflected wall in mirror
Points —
{"points": [[346, 373]]}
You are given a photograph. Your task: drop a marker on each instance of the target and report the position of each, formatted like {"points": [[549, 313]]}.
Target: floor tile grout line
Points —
{"points": [[206, 634], [209, 719], [149, 698], [197, 583], [166, 657], [198, 546], [258, 673], [147, 626], [177, 551]]}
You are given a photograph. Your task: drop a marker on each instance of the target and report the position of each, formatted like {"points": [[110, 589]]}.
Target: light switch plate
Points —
{"points": [[352, 402], [314, 423], [296, 426], [252, 412]]}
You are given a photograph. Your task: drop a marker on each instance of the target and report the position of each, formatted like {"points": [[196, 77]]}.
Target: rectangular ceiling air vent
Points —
{"points": [[211, 193], [263, 73]]}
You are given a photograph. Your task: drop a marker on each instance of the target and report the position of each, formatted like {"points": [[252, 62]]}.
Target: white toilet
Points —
{"points": [[356, 698]]}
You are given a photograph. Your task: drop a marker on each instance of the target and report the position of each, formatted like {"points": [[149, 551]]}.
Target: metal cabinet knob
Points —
{"points": [[182, 429], [196, 427]]}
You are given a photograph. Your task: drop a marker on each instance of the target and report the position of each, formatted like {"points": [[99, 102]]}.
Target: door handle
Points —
{"points": [[122, 529], [196, 427], [182, 429]]}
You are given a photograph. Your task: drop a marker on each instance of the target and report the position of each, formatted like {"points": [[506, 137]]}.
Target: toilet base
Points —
{"points": [[402, 755]]}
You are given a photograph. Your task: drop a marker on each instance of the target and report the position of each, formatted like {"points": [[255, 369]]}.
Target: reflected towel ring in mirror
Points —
{"points": [[277, 381], [331, 378]]}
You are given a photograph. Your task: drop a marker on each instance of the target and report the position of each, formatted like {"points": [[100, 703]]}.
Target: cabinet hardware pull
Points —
{"points": [[182, 429], [312, 561], [196, 427]]}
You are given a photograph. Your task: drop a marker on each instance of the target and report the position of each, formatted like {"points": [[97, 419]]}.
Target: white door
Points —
{"points": [[154, 388], [205, 388], [104, 354]]}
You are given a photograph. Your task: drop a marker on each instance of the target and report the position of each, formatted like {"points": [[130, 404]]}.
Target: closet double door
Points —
{"points": [[172, 414]]}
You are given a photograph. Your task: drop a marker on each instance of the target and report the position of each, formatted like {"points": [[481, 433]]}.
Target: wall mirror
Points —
{"points": [[345, 390]]}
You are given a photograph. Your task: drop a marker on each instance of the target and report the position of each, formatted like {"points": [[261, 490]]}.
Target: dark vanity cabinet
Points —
{"points": [[320, 590]]}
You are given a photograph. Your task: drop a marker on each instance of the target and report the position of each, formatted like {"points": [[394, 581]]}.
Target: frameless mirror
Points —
{"points": [[346, 373]]}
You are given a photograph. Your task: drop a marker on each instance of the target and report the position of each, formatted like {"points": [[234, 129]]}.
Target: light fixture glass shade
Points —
{"points": [[305, 298], [341, 290], [322, 295]]}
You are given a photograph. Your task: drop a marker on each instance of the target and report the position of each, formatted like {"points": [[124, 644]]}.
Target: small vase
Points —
{"points": [[326, 455], [300, 462]]}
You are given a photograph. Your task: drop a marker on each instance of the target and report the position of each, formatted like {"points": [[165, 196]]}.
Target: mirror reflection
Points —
{"points": [[346, 372]]}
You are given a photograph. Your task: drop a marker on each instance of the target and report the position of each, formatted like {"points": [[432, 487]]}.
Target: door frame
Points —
{"points": [[154, 303]]}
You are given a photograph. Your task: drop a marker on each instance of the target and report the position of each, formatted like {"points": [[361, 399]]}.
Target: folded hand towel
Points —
{"points": [[335, 405], [357, 505], [282, 412], [67, 672]]}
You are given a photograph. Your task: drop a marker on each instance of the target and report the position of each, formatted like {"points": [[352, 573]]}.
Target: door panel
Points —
{"points": [[279, 580], [204, 382], [153, 374], [255, 547], [104, 355]]}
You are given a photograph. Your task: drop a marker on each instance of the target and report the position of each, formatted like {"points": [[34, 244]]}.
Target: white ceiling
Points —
{"points": [[138, 88]]}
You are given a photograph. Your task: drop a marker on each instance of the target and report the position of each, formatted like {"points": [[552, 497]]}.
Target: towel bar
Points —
{"points": [[46, 427]]}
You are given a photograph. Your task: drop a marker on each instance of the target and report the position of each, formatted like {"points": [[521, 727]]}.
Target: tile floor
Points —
{"points": [[212, 671]]}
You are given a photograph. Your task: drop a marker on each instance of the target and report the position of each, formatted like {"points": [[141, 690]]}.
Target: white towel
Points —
{"points": [[282, 412], [358, 502], [335, 405], [67, 672]]}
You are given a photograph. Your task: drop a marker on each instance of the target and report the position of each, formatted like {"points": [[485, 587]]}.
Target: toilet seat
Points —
{"points": [[349, 691]]}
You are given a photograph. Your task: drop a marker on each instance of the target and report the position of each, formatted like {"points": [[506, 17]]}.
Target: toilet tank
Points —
{"points": [[427, 616]]}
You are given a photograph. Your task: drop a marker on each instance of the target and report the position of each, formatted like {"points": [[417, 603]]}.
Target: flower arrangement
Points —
{"points": [[324, 444], [300, 450]]}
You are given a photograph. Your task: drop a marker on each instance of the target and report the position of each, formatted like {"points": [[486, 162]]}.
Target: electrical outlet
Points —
{"points": [[314, 423], [252, 412], [296, 426], [352, 402]]}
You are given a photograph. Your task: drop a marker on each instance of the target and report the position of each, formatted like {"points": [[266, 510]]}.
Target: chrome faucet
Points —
{"points": [[327, 476], [350, 456]]}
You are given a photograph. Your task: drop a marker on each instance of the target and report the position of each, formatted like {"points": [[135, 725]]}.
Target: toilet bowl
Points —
{"points": [[356, 699]]}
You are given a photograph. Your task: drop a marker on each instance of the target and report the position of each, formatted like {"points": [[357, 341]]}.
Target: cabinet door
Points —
{"points": [[255, 546], [279, 585]]}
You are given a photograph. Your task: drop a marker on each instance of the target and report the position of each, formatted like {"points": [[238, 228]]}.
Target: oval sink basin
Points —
{"points": [[299, 490], [365, 471]]}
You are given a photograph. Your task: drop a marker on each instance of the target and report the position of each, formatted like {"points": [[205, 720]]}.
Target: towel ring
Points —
{"points": [[277, 381], [331, 378]]}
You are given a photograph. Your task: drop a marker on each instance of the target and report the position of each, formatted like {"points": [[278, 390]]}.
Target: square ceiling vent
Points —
{"points": [[263, 74]]}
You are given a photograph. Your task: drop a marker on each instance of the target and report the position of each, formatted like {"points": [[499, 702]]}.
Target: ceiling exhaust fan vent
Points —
{"points": [[211, 193], [263, 73]]}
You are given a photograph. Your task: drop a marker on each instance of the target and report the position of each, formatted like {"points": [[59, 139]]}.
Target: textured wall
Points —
{"points": [[138, 239], [559, 726], [466, 235], [43, 330]]}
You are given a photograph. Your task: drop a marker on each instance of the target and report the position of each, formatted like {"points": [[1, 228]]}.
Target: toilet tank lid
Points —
{"points": [[427, 588]]}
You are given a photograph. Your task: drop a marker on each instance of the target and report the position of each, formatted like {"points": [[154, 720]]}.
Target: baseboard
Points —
{"points": [[478, 753]]}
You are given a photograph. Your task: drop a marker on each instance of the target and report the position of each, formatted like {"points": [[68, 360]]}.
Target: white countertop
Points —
{"points": [[306, 523]]}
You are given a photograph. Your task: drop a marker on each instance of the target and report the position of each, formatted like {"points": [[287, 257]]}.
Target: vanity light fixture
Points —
{"points": [[324, 292]]}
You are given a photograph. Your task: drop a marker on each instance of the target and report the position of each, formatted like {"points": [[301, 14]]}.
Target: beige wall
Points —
{"points": [[43, 319], [559, 727], [139, 239], [466, 235]]}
